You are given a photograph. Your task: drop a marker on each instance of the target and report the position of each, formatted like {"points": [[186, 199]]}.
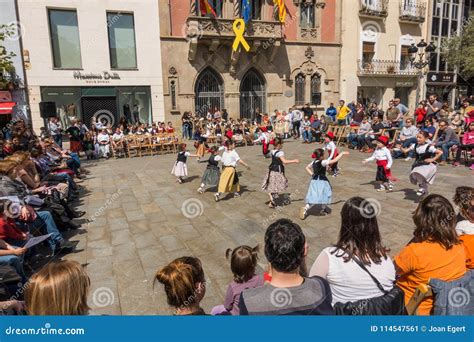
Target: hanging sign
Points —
{"points": [[239, 28]]}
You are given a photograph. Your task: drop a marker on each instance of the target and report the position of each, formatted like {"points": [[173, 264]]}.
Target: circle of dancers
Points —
{"points": [[324, 162]]}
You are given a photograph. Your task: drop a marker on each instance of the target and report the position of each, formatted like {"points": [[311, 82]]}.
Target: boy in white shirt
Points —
{"points": [[384, 160]]}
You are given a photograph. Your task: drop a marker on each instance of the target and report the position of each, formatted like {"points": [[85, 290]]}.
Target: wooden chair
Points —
{"points": [[118, 149], [146, 145], [133, 146], [343, 136], [422, 291]]}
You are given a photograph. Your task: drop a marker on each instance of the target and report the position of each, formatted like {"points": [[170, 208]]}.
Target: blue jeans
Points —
{"points": [[58, 139], [445, 147], [16, 262], [45, 223], [307, 136]]}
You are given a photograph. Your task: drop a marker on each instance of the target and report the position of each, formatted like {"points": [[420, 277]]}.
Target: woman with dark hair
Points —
{"points": [[185, 285], [434, 252], [275, 181], [359, 238]]}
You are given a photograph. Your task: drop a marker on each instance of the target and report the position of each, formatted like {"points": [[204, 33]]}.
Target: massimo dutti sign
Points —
{"points": [[104, 77]]}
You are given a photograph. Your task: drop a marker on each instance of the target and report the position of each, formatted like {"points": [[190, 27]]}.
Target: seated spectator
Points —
{"points": [[375, 131], [88, 144], [359, 115], [429, 128], [359, 237], [464, 199], [170, 128], [306, 127], [357, 140], [19, 226], [103, 140], [467, 144], [118, 139], [185, 285], [406, 138], [435, 251], [58, 289], [447, 139], [243, 261], [13, 256], [288, 292], [456, 122], [316, 129]]}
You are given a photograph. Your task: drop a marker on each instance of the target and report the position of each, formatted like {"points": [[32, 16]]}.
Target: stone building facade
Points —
{"points": [[289, 63], [375, 64]]}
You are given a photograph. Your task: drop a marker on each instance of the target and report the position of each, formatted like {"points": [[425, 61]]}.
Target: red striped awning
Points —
{"points": [[7, 107]]}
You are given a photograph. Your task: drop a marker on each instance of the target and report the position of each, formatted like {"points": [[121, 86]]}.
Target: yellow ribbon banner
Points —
{"points": [[239, 28], [281, 9]]}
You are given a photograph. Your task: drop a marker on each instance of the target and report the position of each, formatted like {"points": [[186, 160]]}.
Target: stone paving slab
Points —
{"points": [[140, 223]]}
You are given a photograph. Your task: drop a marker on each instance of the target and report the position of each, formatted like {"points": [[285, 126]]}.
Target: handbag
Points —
{"points": [[390, 303]]}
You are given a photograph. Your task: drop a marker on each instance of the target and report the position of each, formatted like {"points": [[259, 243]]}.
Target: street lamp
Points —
{"points": [[420, 57]]}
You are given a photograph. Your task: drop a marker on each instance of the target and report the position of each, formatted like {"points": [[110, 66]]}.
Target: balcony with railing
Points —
{"points": [[412, 11], [205, 27], [373, 8], [384, 68]]}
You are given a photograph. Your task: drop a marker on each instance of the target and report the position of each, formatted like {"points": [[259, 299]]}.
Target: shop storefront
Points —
{"points": [[107, 104], [442, 84]]}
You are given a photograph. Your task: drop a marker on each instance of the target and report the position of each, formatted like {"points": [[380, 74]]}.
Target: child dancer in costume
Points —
{"points": [[229, 180], [275, 181], [424, 168], [201, 146], [320, 191], [212, 174], [266, 138], [332, 152], [384, 160], [180, 169]]}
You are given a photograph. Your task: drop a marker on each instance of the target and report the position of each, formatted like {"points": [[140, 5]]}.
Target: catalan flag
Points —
{"points": [[281, 9], [206, 8]]}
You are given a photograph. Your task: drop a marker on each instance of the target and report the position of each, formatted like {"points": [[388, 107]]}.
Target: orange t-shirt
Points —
{"points": [[468, 242], [419, 262]]}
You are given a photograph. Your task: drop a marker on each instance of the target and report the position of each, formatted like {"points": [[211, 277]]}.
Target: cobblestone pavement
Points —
{"points": [[142, 219]]}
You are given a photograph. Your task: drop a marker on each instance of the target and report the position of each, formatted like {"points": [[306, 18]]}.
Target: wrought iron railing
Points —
{"points": [[412, 11], [375, 8], [386, 68]]}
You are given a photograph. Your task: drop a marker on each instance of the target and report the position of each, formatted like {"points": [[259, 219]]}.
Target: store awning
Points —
{"points": [[7, 107]]}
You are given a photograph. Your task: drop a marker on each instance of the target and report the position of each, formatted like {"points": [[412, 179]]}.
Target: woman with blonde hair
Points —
{"points": [[58, 289], [185, 285]]}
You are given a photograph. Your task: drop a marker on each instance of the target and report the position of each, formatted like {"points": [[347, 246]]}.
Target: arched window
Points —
{"points": [[300, 89], [209, 92], [253, 95], [316, 89]]}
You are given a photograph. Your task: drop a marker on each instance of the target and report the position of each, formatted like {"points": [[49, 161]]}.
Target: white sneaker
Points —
{"points": [[407, 158], [216, 197], [420, 192], [382, 188], [303, 213], [200, 190]]}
